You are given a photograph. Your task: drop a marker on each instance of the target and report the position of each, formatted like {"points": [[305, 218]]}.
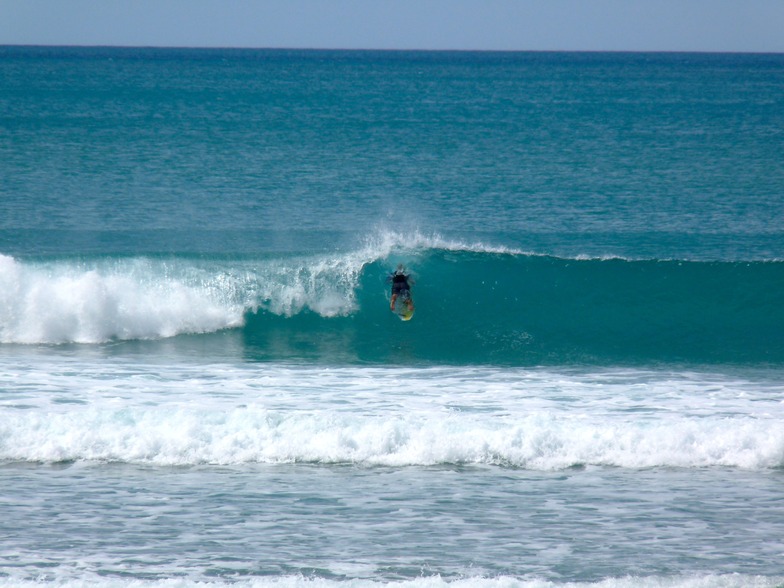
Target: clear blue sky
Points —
{"points": [[635, 25]]}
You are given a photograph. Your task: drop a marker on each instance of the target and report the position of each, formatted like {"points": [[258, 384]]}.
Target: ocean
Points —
{"points": [[201, 383]]}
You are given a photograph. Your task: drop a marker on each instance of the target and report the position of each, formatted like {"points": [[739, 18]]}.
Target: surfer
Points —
{"points": [[401, 287]]}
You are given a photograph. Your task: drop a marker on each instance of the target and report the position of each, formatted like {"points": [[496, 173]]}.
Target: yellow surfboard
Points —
{"points": [[404, 308]]}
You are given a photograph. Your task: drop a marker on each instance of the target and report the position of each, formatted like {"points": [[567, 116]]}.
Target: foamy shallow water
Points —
{"points": [[480, 475], [192, 414], [348, 523]]}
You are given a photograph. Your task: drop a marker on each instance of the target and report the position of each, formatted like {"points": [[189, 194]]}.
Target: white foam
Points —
{"points": [[254, 434], [323, 284], [224, 414], [136, 299], [67, 301]]}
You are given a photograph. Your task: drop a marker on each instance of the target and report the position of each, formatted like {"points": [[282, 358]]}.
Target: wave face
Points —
{"points": [[475, 304]]}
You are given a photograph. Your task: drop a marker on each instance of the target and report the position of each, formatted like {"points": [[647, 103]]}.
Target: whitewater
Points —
{"points": [[201, 383], [225, 414]]}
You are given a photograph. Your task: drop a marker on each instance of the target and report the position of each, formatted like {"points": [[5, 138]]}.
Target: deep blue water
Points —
{"points": [[200, 379]]}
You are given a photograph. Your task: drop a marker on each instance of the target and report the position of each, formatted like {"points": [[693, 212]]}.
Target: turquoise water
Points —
{"points": [[201, 382]]}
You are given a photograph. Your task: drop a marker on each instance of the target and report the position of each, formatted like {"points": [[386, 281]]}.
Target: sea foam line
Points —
{"points": [[252, 434]]}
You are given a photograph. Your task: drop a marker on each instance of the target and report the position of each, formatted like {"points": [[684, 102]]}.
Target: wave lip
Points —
{"points": [[384, 243]]}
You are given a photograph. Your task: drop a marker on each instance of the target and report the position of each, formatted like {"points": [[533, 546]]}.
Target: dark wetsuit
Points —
{"points": [[400, 285]]}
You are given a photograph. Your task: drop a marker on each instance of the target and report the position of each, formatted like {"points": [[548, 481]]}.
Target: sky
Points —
{"points": [[539, 25]]}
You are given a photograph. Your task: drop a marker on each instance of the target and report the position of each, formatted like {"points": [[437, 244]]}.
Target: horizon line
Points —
{"points": [[386, 49]]}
